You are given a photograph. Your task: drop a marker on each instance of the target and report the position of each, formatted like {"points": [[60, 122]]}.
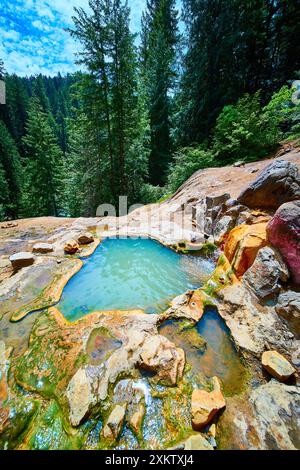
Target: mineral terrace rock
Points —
{"points": [[197, 442], [85, 238], [243, 244], [266, 274], [284, 234], [205, 405], [42, 248], [160, 356], [114, 423], [278, 183], [71, 247], [22, 259], [277, 365]]}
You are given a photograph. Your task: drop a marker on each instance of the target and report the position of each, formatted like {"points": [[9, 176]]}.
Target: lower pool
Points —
{"points": [[125, 274]]}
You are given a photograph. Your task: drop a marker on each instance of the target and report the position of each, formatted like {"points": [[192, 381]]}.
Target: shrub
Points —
{"points": [[187, 161]]}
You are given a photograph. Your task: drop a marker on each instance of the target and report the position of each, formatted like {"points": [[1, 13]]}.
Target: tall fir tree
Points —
{"points": [[109, 54], [10, 175], [44, 165], [233, 47], [159, 40]]}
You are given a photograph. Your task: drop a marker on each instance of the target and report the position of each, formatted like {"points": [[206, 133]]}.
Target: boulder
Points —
{"points": [[71, 247], [197, 442], [80, 396], [278, 183], [205, 405], [277, 365], [288, 307], [85, 238], [161, 357], [114, 423], [283, 232], [243, 244], [42, 248], [136, 419], [266, 274], [22, 259]]}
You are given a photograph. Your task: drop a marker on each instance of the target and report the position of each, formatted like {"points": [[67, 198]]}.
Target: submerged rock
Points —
{"points": [[22, 259], [71, 247], [42, 248], [205, 405], [114, 423], [85, 238], [267, 273], [278, 183], [284, 233], [277, 365]]}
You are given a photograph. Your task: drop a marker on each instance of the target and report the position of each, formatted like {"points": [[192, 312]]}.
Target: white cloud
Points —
{"points": [[9, 35]]}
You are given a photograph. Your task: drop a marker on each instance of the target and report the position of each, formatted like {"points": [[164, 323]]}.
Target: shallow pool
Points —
{"points": [[129, 273], [218, 357]]}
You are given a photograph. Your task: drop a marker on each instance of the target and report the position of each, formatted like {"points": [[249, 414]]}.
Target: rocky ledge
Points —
{"points": [[111, 380]]}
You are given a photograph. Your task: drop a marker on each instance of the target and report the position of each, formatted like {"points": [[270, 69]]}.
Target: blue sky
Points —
{"points": [[32, 36]]}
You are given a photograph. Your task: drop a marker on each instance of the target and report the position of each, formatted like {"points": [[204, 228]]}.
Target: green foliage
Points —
{"points": [[150, 194], [187, 161], [248, 132]]}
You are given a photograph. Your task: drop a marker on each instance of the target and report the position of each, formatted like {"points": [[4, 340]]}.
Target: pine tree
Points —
{"points": [[44, 165], [158, 58], [10, 174]]}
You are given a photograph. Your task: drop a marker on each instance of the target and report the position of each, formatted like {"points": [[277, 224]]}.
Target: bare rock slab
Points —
{"points": [[277, 365], [205, 405], [42, 248], [22, 259]]}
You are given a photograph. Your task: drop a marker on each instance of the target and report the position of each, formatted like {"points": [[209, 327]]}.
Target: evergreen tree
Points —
{"points": [[44, 166], [158, 58], [233, 47], [110, 92], [10, 175]]}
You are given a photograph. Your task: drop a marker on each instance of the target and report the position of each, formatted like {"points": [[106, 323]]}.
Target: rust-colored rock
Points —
{"points": [[205, 405], [71, 247], [85, 238], [243, 244]]}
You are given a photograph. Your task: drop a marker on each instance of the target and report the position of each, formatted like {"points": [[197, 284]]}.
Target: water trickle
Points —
{"points": [[126, 274]]}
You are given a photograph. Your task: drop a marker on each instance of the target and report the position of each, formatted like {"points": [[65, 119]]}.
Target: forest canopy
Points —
{"points": [[142, 114]]}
